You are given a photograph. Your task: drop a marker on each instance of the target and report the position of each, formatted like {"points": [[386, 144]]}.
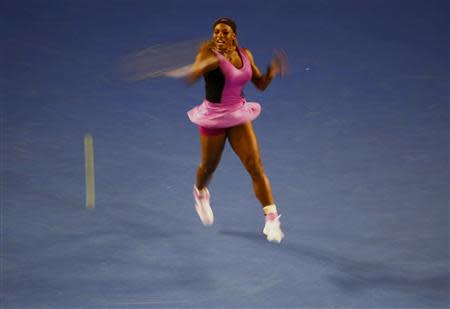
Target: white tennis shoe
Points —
{"points": [[272, 228], [203, 207]]}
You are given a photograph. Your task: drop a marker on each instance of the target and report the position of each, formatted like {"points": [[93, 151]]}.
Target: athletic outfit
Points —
{"points": [[225, 105]]}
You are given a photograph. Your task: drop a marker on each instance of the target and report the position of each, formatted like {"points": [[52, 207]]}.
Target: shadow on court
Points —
{"points": [[355, 275]]}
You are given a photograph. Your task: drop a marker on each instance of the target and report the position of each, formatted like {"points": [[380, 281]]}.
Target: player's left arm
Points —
{"points": [[277, 66]]}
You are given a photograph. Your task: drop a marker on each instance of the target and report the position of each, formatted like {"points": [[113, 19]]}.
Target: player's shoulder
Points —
{"points": [[248, 52]]}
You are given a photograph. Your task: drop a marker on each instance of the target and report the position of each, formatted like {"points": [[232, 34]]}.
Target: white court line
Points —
{"points": [[89, 171]]}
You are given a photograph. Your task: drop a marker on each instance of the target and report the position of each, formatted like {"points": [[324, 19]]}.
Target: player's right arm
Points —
{"points": [[205, 61]]}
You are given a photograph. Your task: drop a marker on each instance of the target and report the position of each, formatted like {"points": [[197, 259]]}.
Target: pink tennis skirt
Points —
{"points": [[220, 115]]}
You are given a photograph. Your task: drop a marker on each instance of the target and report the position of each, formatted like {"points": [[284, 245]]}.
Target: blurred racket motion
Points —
{"points": [[167, 59]]}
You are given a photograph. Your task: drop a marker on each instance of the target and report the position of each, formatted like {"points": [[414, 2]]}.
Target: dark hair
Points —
{"points": [[226, 21]]}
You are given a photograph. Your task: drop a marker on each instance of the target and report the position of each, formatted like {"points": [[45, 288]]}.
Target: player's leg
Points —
{"points": [[212, 144], [245, 144]]}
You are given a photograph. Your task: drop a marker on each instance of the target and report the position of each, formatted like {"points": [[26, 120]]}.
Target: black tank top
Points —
{"points": [[214, 83]]}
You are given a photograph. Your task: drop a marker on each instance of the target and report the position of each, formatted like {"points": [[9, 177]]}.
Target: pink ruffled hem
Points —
{"points": [[219, 115]]}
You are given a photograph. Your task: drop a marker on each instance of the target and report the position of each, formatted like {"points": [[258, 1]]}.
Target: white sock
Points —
{"points": [[270, 209]]}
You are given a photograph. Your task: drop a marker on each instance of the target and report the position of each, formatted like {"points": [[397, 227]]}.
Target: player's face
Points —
{"points": [[223, 36]]}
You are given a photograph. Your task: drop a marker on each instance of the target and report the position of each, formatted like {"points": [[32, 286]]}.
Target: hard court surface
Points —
{"points": [[354, 140]]}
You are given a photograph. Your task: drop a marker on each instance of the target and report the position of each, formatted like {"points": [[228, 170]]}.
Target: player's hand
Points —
{"points": [[278, 65], [200, 67]]}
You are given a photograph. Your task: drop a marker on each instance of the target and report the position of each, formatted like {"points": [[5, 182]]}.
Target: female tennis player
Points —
{"points": [[226, 115]]}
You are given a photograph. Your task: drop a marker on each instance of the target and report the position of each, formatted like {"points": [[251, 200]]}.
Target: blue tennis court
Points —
{"points": [[355, 141]]}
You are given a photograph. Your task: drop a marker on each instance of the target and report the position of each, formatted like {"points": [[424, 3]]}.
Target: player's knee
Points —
{"points": [[255, 167]]}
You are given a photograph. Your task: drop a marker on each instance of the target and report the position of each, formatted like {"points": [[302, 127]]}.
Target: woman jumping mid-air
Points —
{"points": [[225, 114]]}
